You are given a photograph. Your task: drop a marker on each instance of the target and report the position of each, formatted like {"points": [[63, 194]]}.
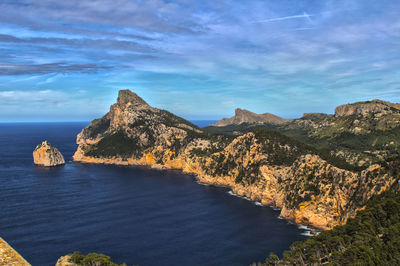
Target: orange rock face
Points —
{"points": [[47, 155]]}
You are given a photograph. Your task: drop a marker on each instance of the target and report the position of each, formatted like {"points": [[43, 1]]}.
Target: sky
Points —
{"points": [[66, 60]]}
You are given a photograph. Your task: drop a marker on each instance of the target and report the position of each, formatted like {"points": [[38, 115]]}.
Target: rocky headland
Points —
{"points": [[308, 186], [244, 116], [47, 155]]}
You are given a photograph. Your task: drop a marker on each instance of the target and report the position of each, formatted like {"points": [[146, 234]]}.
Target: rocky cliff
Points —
{"points": [[244, 116], [47, 155], [263, 165], [367, 107]]}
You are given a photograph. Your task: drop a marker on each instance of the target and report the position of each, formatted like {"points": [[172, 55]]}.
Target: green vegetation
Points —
{"points": [[117, 143], [283, 150], [367, 138], [97, 126], [169, 119], [92, 259], [371, 238]]}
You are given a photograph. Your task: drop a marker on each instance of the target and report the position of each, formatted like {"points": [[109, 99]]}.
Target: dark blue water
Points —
{"points": [[135, 215], [203, 123]]}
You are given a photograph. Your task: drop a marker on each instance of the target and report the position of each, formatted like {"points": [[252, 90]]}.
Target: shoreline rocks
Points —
{"points": [[47, 155]]}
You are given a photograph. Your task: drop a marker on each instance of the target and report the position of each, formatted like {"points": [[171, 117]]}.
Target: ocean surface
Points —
{"points": [[133, 214]]}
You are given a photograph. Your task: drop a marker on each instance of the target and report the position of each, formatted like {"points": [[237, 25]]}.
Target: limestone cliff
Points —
{"points": [[368, 107], [244, 116], [47, 155], [263, 165]]}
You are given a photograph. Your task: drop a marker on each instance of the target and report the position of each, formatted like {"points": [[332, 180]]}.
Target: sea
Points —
{"points": [[136, 215]]}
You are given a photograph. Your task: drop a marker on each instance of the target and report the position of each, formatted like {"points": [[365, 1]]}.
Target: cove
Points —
{"points": [[135, 215]]}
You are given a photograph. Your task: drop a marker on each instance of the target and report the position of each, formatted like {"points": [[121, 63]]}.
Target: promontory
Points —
{"points": [[277, 165]]}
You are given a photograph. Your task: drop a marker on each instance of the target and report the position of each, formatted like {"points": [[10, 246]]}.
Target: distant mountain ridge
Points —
{"points": [[358, 108], [244, 116], [361, 133]]}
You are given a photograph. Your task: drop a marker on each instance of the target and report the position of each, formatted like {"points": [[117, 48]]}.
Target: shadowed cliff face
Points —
{"points": [[263, 165]]}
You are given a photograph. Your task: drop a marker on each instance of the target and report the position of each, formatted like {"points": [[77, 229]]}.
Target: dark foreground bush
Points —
{"points": [[92, 259]]}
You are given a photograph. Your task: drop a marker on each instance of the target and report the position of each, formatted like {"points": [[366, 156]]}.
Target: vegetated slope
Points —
{"points": [[361, 133], [371, 238], [309, 186]]}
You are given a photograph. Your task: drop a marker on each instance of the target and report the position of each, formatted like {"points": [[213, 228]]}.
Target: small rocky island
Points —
{"points": [[47, 155]]}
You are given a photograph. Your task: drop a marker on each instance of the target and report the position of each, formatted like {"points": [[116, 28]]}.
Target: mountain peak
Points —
{"points": [[127, 97], [245, 116], [241, 112]]}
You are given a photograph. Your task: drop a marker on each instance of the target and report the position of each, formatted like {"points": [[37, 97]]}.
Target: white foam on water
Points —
{"points": [[306, 233], [303, 227], [200, 183], [245, 198], [233, 194]]}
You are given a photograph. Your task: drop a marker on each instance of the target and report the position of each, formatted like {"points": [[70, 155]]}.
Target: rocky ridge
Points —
{"points": [[263, 165], [365, 108], [361, 133], [47, 155], [244, 116]]}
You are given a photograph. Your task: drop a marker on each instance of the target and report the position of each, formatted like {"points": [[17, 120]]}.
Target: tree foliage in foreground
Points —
{"points": [[92, 259], [371, 238]]}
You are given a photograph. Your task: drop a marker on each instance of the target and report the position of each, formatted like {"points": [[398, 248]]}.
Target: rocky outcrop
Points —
{"points": [[8, 255], [47, 155], [65, 261], [368, 107], [244, 116]]}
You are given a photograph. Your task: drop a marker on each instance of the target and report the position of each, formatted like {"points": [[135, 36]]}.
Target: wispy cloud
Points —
{"points": [[304, 15], [9, 69], [301, 56]]}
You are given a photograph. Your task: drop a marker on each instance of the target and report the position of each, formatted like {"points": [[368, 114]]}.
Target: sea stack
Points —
{"points": [[47, 155]]}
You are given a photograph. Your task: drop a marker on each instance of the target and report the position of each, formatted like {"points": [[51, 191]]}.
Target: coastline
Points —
{"points": [[236, 190]]}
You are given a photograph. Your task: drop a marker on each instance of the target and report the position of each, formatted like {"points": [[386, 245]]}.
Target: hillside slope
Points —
{"points": [[361, 133]]}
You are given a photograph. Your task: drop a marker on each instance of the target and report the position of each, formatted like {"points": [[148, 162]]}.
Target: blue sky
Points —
{"points": [[66, 60]]}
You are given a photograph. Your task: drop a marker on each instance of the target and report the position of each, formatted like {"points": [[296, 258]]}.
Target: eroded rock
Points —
{"points": [[47, 155]]}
